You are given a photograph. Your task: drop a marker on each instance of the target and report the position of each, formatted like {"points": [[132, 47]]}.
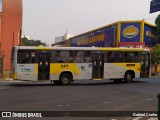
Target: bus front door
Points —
{"points": [[145, 64], [98, 65], [43, 66]]}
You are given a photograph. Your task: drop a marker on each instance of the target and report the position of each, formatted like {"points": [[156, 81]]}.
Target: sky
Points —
{"points": [[46, 19]]}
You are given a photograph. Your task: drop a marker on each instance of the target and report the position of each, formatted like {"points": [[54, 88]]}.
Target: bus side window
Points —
{"points": [[131, 57], [136, 57], [64, 56], [33, 54], [114, 57], [127, 57], [53, 57], [119, 56], [82, 56], [78, 56], [58, 57], [87, 57], [70, 57], [26, 56], [109, 57]]}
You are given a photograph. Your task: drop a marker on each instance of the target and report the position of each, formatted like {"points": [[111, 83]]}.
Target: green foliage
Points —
{"points": [[155, 54], [26, 42], [157, 23]]}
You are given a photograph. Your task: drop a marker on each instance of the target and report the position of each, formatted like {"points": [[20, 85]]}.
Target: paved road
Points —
{"points": [[141, 95]]}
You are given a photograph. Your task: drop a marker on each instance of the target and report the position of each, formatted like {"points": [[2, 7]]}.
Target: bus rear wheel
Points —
{"points": [[128, 77], [65, 79]]}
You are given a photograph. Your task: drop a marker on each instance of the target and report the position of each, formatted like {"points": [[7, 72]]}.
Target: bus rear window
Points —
{"points": [[26, 57]]}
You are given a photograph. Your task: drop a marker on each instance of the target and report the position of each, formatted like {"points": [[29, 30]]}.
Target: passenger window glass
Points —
{"points": [[131, 57], [53, 57], [26, 57], [82, 56], [87, 56], [33, 54], [64, 56], [113, 57]]}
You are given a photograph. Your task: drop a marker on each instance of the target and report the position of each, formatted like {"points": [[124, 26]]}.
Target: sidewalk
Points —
{"points": [[6, 79]]}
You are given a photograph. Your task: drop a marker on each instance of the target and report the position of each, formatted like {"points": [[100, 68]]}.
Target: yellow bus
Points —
{"points": [[62, 65]]}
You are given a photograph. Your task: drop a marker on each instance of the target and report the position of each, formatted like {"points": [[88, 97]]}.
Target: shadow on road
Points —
{"points": [[75, 83]]}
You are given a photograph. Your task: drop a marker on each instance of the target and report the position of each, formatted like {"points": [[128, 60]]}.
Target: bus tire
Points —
{"points": [[128, 77], [65, 78], [57, 82]]}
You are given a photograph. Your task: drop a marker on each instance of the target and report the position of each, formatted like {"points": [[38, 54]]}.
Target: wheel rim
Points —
{"points": [[65, 80], [129, 77]]}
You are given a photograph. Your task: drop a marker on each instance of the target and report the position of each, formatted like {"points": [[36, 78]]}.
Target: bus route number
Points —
{"points": [[64, 66]]}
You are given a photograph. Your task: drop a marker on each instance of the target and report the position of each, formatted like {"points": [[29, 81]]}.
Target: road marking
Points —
{"points": [[137, 118], [152, 119], [60, 106], [128, 118]]}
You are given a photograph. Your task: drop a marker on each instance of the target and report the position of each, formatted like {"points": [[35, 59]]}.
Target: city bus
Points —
{"points": [[62, 65]]}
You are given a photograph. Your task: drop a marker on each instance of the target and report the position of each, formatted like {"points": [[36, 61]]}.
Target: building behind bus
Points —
{"points": [[10, 30], [138, 33]]}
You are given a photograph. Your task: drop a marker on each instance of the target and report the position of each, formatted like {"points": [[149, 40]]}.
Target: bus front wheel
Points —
{"points": [[65, 79], [128, 77]]}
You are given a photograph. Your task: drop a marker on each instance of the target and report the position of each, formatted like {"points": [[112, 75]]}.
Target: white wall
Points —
{"points": [[65, 37]]}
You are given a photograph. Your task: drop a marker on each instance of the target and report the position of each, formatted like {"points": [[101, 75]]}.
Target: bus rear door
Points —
{"points": [[43, 65], [98, 65], [145, 64]]}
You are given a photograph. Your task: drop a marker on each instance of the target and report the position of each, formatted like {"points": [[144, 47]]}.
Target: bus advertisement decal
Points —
{"points": [[82, 68]]}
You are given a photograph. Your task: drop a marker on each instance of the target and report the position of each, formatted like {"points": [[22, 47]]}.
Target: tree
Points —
{"points": [[157, 22], [157, 32], [26, 42], [155, 53]]}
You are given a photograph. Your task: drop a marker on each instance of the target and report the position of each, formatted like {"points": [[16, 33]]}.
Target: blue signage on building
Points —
{"points": [[130, 32], [105, 37], [149, 37], [154, 6]]}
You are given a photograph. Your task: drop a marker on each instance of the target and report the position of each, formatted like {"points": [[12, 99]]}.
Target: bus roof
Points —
{"points": [[81, 48]]}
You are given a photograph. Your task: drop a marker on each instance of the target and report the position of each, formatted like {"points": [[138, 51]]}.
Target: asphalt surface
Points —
{"points": [[141, 95]]}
